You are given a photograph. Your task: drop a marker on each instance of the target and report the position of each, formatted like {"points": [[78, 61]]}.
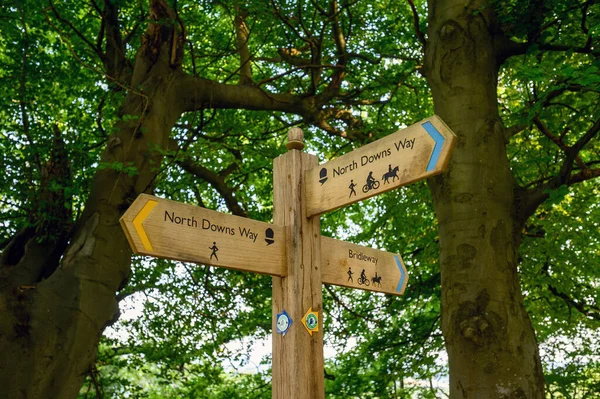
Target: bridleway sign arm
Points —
{"points": [[351, 265]]}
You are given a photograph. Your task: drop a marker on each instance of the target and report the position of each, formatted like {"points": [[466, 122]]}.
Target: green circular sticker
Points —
{"points": [[311, 321]]}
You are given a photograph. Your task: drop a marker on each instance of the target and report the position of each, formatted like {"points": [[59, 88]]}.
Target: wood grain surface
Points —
{"points": [[298, 366], [189, 233], [343, 263], [396, 160]]}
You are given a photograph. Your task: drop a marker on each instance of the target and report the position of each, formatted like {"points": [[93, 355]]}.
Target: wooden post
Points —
{"points": [[298, 369]]}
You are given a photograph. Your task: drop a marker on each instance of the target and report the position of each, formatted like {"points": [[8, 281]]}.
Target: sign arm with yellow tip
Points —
{"points": [[138, 226], [172, 230]]}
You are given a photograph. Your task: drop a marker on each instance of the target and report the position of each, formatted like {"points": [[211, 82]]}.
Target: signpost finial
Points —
{"points": [[295, 139]]}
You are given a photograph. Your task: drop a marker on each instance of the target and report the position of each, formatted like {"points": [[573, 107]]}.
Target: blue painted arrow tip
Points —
{"points": [[402, 274], [437, 149]]}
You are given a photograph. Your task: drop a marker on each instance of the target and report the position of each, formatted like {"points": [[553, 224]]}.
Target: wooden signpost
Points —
{"points": [[292, 249], [298, 367]]}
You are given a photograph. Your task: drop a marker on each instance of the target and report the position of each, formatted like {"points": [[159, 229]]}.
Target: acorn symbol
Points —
{"points": [[269, 236], [323, 176]]}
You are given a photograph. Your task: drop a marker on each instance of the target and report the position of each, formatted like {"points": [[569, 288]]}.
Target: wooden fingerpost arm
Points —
{"points": [[298, 371]]}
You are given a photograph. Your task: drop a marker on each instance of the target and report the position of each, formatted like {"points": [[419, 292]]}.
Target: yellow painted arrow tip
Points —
{"points": [[303, 320], [139, 228]]}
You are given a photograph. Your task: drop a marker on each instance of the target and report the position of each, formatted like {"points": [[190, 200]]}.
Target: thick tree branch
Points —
{"points": [[507, 48], [115, 62], [416, 24], [583, 308], [531, 199], [582, 172], [197, 93], [589, 310], [586, 138], [76, 31], [342, 56], [217, 181], [546, 132], [584, 175], [241, 38], [354, 124]]}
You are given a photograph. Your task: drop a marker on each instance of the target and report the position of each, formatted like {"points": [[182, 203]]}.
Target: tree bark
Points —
{"points": [[51, 326], [491, 344]]}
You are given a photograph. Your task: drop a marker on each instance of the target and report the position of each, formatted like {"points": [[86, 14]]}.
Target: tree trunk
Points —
{"points": [[51, 326], [490, 341]]}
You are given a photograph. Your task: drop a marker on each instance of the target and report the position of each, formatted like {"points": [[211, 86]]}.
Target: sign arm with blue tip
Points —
{"points": [[437, 149], [401, 283], [406, 156], [343, 263]]}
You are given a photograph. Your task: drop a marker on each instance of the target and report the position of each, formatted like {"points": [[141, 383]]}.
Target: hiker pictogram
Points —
{"points": [[214, 251]]}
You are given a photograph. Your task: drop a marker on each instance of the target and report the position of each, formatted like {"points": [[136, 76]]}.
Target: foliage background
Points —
{"points": [[176, 346]]}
